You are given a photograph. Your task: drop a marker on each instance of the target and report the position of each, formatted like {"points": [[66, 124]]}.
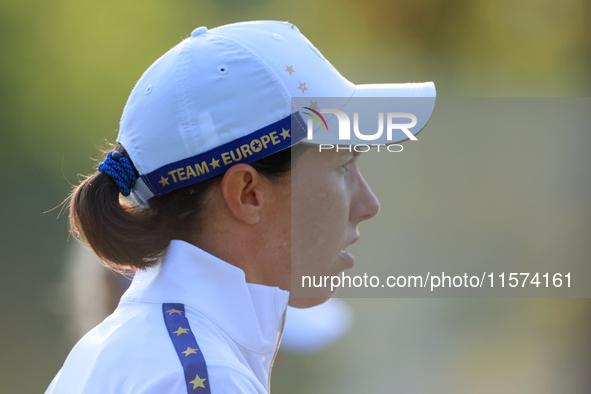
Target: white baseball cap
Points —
{"points": [[224, 96]]}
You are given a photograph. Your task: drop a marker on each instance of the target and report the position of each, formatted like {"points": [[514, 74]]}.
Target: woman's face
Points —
{"points": [[329, 198]]}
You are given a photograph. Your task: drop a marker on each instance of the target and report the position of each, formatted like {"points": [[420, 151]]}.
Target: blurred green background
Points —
{"points": [[68, 66]]}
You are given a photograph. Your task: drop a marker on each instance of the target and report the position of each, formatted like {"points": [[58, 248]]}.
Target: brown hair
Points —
{"points": [[125, 236]]}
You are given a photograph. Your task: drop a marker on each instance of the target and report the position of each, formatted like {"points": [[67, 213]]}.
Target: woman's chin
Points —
{"points": [[307, 302]]}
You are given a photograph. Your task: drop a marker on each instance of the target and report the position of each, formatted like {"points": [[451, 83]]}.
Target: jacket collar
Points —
{"points": [[250, 314]]}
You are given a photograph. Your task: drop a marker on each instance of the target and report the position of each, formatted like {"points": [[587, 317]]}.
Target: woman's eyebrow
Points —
{"points": [[353, 153]]}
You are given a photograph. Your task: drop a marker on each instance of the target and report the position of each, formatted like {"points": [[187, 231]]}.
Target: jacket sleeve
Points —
{"points": [[221, 380], [234, 379], [171, 383]]}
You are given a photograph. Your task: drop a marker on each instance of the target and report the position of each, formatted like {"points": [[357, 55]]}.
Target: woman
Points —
{"points": [[202, 151]]}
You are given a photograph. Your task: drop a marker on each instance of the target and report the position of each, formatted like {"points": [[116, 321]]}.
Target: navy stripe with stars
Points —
{"points": [[252, 147], [186, 348]]}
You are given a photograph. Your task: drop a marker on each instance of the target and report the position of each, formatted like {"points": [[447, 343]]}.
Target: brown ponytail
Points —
{"points": [[122, 235], [125, 236]]}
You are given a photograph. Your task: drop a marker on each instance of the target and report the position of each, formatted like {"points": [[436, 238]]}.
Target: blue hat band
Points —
{"points": [[252, 147]]}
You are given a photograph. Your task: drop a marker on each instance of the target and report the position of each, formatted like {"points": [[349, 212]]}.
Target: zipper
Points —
{"points": [[276, 350]]}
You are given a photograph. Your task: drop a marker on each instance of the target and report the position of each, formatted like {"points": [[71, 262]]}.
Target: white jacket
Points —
{"points": [[237, 326]]}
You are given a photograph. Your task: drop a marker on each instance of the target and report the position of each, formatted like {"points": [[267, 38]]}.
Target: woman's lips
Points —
{"points": [[348, 257]]}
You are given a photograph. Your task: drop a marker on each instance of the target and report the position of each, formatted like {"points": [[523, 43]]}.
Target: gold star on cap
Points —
{"points": [[303, 86], [171, 311], [289, 69], [189, 351], [285, 134], [163, 181], [214, 163], [180, 331], [198, 382], [313, 104]]}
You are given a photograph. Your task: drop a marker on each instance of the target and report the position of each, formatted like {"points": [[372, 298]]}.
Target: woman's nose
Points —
{"points": [[365, 204]]}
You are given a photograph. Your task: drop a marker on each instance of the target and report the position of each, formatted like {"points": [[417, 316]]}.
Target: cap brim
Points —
{"points": [[403, 109]]}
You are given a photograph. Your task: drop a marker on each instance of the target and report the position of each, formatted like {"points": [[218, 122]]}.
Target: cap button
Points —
{"points": [[198, 31]]}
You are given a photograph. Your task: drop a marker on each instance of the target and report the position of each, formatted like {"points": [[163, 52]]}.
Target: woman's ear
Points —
{"points": [[243, 190]]}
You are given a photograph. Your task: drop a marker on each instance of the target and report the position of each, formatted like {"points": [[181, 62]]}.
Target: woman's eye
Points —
{"points": [[345, 167]]}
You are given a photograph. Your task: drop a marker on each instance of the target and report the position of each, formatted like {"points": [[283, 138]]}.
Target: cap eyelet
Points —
{"points": [[222, 69], [198, 31], [148, 89], [277, 36]]}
